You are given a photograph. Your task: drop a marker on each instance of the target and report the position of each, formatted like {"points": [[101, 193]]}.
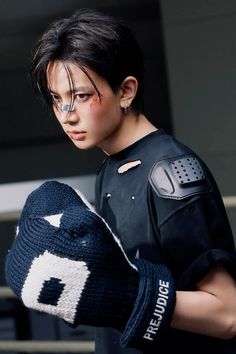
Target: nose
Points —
{"points": [[68, 113], [67, 107]]}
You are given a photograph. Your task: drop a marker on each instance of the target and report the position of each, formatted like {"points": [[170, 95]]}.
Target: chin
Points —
{"points": [[82, 145]]}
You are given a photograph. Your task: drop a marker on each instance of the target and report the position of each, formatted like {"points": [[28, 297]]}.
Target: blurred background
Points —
{"points": [[190, 56]]}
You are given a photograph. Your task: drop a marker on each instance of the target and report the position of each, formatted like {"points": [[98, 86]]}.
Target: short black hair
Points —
{"points": [[90, 39]]}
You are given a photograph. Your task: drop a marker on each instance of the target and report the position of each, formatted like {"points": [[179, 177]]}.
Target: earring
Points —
{"points": [[126, 108]]}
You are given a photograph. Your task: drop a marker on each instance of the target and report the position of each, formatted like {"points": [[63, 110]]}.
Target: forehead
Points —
{"points": [[66, 75]]}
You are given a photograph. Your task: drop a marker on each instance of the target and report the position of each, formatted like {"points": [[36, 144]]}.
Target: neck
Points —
{"points": [[132, 129]]}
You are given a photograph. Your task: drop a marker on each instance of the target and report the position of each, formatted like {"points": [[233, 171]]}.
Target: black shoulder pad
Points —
{"points": [[179, 178]]}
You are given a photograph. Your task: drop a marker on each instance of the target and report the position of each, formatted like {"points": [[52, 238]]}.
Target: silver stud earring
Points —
{"points": [[126, 108]]}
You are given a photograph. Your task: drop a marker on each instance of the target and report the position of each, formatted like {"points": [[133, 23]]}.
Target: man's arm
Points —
{"points": [[211, 309]]}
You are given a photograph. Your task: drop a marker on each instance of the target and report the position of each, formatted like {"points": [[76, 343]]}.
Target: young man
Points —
{"points": [[155, 194]]}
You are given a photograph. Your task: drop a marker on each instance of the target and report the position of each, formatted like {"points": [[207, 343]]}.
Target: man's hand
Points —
{"points": [[65, 261]]}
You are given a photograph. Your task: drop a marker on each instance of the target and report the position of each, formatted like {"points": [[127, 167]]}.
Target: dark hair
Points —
{"points": [[91, 40]]}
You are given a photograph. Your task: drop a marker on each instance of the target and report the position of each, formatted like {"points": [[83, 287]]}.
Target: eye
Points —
{"points": [[55, 99], [82, 97]]}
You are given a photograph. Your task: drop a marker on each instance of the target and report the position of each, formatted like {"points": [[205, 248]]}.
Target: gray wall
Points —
{"points": [[200, 43]]}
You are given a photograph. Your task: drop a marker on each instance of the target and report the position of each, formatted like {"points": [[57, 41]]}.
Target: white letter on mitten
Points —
{"points": [[71, 274]]}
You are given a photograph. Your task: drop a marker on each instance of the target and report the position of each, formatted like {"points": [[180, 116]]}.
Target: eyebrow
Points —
{"points": [[75, 89]]}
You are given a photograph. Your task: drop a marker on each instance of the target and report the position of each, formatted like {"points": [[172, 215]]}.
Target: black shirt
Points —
{"points": [[189, 233]]}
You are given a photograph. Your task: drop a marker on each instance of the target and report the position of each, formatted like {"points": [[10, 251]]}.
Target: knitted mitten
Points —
{"points": [[65, 261]]}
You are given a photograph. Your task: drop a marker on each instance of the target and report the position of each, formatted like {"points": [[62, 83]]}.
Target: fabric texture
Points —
{"points": [[189, 236], [66, 261]]}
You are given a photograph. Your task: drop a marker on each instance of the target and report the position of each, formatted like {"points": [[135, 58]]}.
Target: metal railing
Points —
{"points": [[46, 346]]}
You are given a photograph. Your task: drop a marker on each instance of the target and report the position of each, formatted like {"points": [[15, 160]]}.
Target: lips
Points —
{"points": [[75, 135]]}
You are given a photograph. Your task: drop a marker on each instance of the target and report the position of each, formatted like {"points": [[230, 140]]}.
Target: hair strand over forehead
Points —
{"points": [[90, 40]]}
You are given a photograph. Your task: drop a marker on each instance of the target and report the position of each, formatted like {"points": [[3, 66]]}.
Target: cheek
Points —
{"points": [[96, 117], [96, 107], [58, 118], [104, 107], [95, 101]]}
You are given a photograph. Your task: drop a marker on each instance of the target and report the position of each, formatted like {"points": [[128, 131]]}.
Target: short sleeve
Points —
{"points": [[194, 234]]}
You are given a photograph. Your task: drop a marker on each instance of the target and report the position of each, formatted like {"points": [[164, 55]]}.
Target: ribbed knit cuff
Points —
{"points": [[153, 308]]}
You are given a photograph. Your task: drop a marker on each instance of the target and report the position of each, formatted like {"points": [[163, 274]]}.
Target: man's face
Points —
{"points": [[95, 120]]}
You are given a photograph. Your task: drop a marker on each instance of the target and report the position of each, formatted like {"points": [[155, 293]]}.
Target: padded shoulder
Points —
{"points": [[179, 178]]}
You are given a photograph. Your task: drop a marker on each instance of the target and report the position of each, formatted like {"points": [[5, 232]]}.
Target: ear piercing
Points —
{"points": [[126, 107]]}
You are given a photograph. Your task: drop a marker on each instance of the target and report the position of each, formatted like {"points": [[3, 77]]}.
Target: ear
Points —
{"points": [[129, 88]]}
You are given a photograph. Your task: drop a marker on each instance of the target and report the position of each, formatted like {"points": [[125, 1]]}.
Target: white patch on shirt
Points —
{"points": [[128, 165]]}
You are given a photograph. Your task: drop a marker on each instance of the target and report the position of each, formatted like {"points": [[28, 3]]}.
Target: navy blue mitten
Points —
{"points": [[66, 261]]}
